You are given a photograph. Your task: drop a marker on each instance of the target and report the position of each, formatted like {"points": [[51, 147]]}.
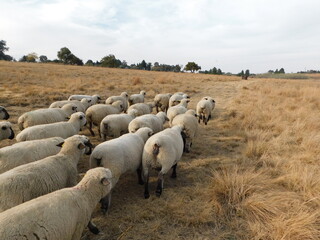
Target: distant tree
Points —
{"points": [[219, 72], [276, 71], [32, 57], [241, 73], [192, 66], [214, 70], [110, 61], [149, 66], [65, 55], [23, 58], [75, 60], [4, 48], [143, 65], [270, 71], [43, 59], [281, 70], [177, 68], [247, 73], [89, 63], [124, 64], [156, 64]]}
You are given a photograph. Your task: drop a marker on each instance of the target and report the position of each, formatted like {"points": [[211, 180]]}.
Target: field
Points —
{"points": [[253, 171]]}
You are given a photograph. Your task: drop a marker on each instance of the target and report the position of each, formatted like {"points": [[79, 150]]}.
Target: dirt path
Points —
{"points": [[182, 212]]}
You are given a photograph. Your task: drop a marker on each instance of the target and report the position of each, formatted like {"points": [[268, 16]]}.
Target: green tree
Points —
{"points": [[65, 55], [43, 59], [4, 48], [192, 66], [110, 61], [32, 57], [89, 63], [219, 72], [214, 70], [281, 70], [247, 73]]}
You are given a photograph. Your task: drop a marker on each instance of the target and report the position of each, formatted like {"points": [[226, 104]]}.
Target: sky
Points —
{"points": [[232, 35]]}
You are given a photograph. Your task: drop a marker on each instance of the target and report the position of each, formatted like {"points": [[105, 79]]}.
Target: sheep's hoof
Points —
{"points": [[146, 195]]}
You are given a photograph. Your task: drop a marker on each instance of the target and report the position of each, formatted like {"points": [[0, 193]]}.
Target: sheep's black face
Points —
{"points": [[6, 114], [4, 128]]}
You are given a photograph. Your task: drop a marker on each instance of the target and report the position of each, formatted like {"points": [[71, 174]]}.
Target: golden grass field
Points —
{"points": [[253, 171]]}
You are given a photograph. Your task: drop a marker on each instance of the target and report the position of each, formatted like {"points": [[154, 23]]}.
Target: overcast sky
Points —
{"points": [[229, 34]]}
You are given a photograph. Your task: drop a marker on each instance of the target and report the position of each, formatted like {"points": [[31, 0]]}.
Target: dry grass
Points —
{"points": [[253, 170]]}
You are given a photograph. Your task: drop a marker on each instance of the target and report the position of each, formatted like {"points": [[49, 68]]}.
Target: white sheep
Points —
{"points": [[137, 98], [60, 215], [142, 108], [123, 98], [96, 113], [6, 131], [94, 98], [176, 98], [162, 151], [59, 129], [28, 151], [41, 177], [4, 115], [115, 125], [121, 155], [45, 116], [82, 105], [162, 101], [204, 109], [155, 122], [189, 123], [178, 109]]}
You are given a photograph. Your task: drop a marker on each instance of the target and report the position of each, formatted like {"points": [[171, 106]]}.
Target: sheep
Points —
{"points": [[94, 98], [121, 155], [178, 109], [162, 101], [60, 215], [155, 122], [6, 131], [137, 98], [4, 115], [189, 123], [35, 179], [204, 109], [97, 112], [123, 98], [162, 151], [28, 151], [82, 105], [114, 125], [142, 108], [176, 98], [59, 129], [45, 116]]}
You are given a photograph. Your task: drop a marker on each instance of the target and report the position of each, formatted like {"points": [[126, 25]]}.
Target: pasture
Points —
{"points": [[252, 173]]}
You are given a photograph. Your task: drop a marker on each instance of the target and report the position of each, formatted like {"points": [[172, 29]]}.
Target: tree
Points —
{"points": [[143, 65], [43, 59], [4, 48], [214, 70], [110, 61], [192, 66], [247, 73], [281, 70], [65, 55], [219, 72], [32, 57], [89, 63]]}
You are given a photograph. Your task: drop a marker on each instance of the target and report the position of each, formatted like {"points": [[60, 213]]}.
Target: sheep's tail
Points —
{"points": [[20, 123], [156, 149]]}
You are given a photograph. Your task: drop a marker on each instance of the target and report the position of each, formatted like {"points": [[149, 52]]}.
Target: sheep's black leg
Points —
{"points": [[90, 129], [146, 187], [105, 203], [159, 185], [93, 228], [140, 180], [174, 172]]}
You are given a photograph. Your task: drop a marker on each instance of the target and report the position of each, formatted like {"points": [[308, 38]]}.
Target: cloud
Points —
{"points": [[231, 35]]}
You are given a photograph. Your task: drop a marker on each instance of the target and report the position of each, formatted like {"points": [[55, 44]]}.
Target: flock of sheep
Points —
{"points": [[40, 197]]}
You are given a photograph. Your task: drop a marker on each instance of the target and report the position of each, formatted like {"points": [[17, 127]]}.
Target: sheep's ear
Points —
{"points": [[74, 108], [89, 100], [105, 181], [60, 144], [188, 100], [67, 118], [81, 146]]}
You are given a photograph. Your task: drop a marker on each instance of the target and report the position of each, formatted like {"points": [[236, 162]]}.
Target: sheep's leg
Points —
{"points": [[140, 180], [160, 184], [174, 172], [146, 186], [93, 228], [90, 129], [157, 109], [105, 203]]}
